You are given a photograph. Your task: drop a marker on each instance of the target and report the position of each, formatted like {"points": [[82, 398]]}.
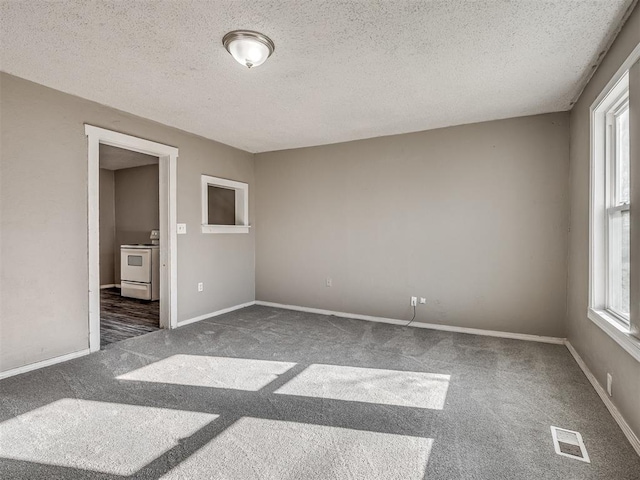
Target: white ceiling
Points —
{"points": [[342, 70], [114, 158]]}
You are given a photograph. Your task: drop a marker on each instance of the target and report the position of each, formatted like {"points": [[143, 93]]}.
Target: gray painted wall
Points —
{"points": [[43, 220], [137, 206], [474, 218], [600, 353], [107, 227]]}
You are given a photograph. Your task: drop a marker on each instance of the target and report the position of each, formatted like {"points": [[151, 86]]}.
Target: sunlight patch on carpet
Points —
{"points": [[370, 385], [254, 448], [104, 437], [215, 372]]}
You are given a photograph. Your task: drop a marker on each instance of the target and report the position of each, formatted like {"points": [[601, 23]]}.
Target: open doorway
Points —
{"points": [[129, 231], [142, 175]]}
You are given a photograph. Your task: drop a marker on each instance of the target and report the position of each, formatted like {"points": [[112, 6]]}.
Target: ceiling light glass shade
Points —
{"points": [[249, 48]]}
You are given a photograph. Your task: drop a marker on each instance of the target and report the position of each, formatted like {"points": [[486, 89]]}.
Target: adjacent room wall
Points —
{"points": [[137, 206], [43, 221], [221, 206], [107, 228], [598, 350], [474, 218]]}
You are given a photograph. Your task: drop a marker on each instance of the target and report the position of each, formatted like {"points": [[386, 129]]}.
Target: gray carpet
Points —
{"points": [[263, 393]]}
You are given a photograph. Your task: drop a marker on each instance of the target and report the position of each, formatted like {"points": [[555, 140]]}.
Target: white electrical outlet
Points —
{"points": [[609, 382], [423, 300], [414, 301], [329, 282], [181, 228], [201, 287]]}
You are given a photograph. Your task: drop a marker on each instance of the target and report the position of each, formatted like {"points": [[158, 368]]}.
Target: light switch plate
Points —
{"points": [[182, 228]]}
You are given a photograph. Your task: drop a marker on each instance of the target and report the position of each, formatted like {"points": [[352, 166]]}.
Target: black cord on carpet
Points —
{"points": [[414, 317]]}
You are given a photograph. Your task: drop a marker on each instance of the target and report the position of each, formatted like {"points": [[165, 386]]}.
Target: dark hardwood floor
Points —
{"points": [[122, 317]]}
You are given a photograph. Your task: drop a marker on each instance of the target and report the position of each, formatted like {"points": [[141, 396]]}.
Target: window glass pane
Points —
{"points": [[619, 263], [622, 156], [625, 255]]}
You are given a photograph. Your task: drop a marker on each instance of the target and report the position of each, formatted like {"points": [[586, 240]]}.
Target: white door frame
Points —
{"points": [[168, 237]]}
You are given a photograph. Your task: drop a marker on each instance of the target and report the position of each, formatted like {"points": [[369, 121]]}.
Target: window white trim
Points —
{"points": [[618, 208], [611, 107], [616, 330], [624, 68], [225, 228], [600, 203], [242, 205], [168, 157], [598, 213]]}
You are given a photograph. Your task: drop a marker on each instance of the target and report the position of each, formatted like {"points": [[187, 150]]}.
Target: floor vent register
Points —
{"points": [[569, 444]]}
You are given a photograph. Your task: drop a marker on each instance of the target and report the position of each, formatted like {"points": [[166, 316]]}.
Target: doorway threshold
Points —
{"points": [[122, 318]]}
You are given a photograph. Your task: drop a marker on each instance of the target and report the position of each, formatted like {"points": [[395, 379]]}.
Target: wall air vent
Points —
{"points": [[569, 444]]}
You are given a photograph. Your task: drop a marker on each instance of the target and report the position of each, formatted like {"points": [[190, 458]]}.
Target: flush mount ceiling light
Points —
{"points": [[249, 48]]}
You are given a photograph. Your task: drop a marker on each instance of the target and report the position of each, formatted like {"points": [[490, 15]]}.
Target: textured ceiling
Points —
{"points": [[342, 70], [114, 158]]}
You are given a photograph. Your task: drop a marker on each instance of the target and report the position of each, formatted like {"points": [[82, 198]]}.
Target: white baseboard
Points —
{"points": [[615, 413], [43, 363], [214, 314], [109, 285], [432, 326]]}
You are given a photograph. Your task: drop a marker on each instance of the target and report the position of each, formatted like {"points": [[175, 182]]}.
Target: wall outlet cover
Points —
{"points": [[181, 228]]}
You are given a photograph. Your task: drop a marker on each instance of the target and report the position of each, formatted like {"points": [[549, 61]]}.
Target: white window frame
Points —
{"points": [[242, 205], [603, 206], [614, 105]]}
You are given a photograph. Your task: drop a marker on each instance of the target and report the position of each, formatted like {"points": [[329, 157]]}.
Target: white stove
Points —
{"points": [[140, 271]]}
